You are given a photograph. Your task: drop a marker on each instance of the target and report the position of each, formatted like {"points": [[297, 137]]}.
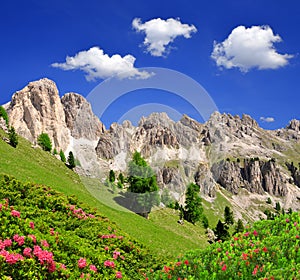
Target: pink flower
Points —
{"points": [[7, 243], [224, 267], [0, 206], [27, 252], [44, 243], [116, 254], [13, 258], [82, 263], [19, 239], [246, 234], [31, 224], [255, 270], [106, 248], [93, 268], [255, 233], [52, 231], [51, 267], [265, 249], [15, 213], [118, 274], [109, 264], [186, 262], [287, 220], [63, 266]]}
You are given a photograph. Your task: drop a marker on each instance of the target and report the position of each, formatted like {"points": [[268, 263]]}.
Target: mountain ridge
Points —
{"points": [[180, 152]]}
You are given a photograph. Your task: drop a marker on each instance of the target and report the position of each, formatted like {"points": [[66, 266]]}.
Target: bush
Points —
{"points": [[267, 250], [4, 115], [62, 156], [45, 142]]}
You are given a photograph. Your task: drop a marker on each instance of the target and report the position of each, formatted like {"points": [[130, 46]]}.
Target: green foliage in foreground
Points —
{"points": [[268, 250], [47, 235]]}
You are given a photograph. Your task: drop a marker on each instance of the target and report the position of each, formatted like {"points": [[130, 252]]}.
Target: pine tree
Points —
{"points": [[13, 137], [111, 176], [228, 216], [143, 188], [193, 209], [71, 160], [221, 231], [121, 178], [239, 227]]}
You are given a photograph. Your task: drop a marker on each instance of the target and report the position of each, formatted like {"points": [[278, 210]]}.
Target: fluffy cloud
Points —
{"points": [[247, 48], [96, 64], [267, 119], [160, 33]]}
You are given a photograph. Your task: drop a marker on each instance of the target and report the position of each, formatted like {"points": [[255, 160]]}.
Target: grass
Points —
{"points": [[161, 233]]}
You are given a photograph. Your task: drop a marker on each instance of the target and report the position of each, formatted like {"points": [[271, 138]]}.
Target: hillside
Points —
{"points": [[161, 234], [53, 236]]}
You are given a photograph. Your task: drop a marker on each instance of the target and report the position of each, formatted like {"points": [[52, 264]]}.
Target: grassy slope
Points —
{"points": [[161, 233]]}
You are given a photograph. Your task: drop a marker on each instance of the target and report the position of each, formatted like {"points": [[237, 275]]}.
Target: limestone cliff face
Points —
{"points": [[80, 118], [255, 175], [37, 108]]}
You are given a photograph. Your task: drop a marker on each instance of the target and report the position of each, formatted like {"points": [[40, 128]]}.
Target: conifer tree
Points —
{"points": [[193, 209], [71, 160], [228, 216], [13, 137]]}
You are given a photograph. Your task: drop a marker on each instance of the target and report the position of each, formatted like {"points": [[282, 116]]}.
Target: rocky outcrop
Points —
{"points": [[80, 118], [291, 132], [228, 175], [255, 175], [172, 178], [37, 108], [294, 172], [204, 179], [273, 181]]}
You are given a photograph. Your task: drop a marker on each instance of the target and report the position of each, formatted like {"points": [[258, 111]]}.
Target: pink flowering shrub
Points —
{"points": [[46, 235]]}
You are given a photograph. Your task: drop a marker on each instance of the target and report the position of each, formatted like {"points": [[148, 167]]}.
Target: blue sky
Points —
{"points": [[253, 66]]}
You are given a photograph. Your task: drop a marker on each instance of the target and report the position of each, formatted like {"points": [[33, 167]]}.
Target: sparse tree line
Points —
{"points": [[141, 181]]}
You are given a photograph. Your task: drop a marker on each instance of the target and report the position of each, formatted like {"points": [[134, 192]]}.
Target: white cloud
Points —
{"points": [[267, 119], [247, 48], [96, 64], [160, 33]]}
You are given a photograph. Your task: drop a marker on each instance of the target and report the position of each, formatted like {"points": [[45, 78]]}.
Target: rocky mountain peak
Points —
{"points": [[189, 122], [294, 125], [156, 119], [37, 108]]}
